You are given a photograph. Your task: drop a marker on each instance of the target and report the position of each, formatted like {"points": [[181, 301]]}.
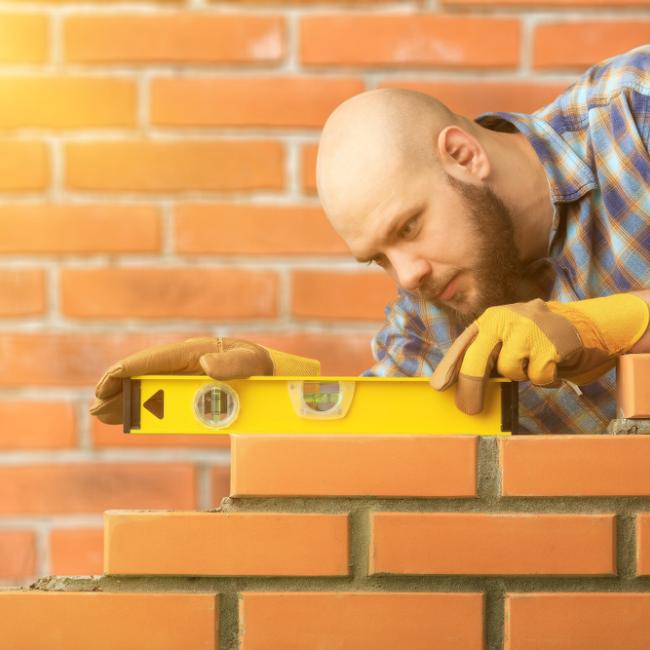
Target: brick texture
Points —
{"points": [[17, 554], [184, 38], [94, 487], [469, 543], [598, 621], [103, 621], [199, 543], [22, 424], [583, 466], [23, 38], [643, 544], [384, 466], [22, 292], [76, 551], [170, 293], [350, 621], [24, 165]]}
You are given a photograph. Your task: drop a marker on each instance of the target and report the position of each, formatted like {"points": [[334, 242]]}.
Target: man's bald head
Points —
{"points": [[371, 142]]}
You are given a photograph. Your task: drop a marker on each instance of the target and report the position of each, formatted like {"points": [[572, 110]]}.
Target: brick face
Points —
{"points": [[23, 38], [22, 424], [17, 554], [76, 551], [22, 292], [24, 165]]}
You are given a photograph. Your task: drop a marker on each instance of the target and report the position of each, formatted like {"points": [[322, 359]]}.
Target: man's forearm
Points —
{"points": [[643, 344]]}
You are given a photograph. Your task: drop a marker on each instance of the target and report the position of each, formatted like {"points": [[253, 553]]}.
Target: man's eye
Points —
{"points": [[379, 260], [408, 228]]}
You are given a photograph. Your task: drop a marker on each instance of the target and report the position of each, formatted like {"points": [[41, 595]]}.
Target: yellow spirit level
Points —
{"points": [[191, 404]]}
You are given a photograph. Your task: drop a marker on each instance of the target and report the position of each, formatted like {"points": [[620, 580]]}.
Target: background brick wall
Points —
{"points": [[157, 181]]}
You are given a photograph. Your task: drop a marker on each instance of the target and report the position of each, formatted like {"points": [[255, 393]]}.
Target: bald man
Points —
{"points": [[532, 231], [519, 243]]}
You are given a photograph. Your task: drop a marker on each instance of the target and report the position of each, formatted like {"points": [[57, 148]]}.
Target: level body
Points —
{"points": [[191, 404]]}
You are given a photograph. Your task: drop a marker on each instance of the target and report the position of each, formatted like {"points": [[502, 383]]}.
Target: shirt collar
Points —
{"points": [[569, 177]]}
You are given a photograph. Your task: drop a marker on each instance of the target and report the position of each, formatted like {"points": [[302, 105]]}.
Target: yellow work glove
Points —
{"points": [[220, 358], [542, 342]]}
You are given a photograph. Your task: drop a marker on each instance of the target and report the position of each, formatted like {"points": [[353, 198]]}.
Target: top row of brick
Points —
{"points": [[355, 40]]}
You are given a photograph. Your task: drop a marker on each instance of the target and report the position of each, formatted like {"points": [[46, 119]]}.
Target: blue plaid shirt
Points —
{"points": [[593, 141]]}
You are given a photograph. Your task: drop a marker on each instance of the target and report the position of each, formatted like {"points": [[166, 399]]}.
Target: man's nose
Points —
{"points": [[410, 271]]}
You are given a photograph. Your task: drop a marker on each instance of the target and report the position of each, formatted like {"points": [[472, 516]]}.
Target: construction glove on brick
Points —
{"points": [[541, 342], [220, 358]]}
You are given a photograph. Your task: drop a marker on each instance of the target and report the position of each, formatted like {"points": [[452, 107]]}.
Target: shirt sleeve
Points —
{"points": [[403, 347]]}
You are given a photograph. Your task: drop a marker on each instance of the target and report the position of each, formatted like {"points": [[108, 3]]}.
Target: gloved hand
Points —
{"points": [[220, 358], [541, 342]]}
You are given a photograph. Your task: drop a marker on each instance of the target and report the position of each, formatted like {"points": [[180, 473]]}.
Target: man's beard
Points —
{"points": [[499, 271]]}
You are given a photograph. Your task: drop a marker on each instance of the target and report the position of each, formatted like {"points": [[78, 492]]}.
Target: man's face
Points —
{"points": [[451, 242]]}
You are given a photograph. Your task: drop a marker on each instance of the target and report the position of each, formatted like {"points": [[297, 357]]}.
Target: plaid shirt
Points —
{"points": [[593, 141]]}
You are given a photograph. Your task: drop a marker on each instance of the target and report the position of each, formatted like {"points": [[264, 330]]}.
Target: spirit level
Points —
{"points": [[191, 404]]}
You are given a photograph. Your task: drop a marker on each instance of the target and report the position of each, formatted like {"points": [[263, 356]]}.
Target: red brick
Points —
{"points": [[345, 296], [22, 292], [214, 543], [632, 386], [184, 37], [82, 229], [352, 621], [410, 40], [72, 102], [567, 621], [110, 435], [253, 229], [220, 481], [643, 544], [248, 101], [172, 292], [491, 544], [24, 165], [24, 38], [94, 487], [17, 555], [528, 5], [584, 43], [308, 168], [472, 97], [36, 424], [80, 359], [387, 466], [576, 466], [156, 166], [77, 551], [108, 621]]}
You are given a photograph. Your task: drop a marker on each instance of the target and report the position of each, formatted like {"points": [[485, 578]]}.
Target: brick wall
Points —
{"points": [[374, 543], [157, 181]]}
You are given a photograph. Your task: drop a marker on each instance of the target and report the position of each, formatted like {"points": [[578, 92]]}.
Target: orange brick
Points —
{"points": [[148, 166], [76, 551], [533, 4], [352, 621], [71, 102], [253, 229], [248, 101], [387, 466], [220, 482], [643, 544], [348, 296], [36, 424], [73, 228], [567, 621], [109, 435], [214, 543], [17, 555], [79, 359], [581, 44], [189, 292], [576, 466], [22, 292], [108, 621], [24, 165], [308, 167], [632, 386], [410, 40], [23, 38], [182, 37], [472, 97], [446, 543], [95, 487]]}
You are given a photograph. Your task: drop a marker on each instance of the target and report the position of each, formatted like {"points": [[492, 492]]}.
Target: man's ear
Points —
{"points": [[461, 155]]}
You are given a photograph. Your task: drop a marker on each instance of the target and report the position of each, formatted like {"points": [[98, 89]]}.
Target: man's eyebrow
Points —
{"points": [[393, 226]]}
